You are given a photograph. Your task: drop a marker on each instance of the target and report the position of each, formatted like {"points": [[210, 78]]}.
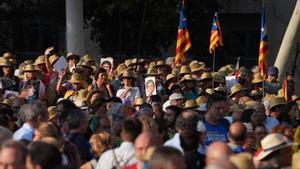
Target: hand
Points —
{"points": [[62, 74], [49, 51]]}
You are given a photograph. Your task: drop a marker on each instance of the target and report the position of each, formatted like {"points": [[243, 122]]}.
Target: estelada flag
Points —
{"points": [[263, 47], [216, 38]]}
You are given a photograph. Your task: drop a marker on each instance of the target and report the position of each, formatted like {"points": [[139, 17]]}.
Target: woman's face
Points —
{"points": [[102, 77], [72, 62], [107, 67], [31, 75], [150, 87], [6, 70]]}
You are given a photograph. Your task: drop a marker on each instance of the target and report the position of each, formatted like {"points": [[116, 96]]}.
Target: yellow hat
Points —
{"points": [[152, 71], [152, 64], [196, 66], [161, 63], [277, 101], [53, 59], [209, 91], [184, 70], [40, 60], [75, 78], [5, 62], [121, 68], [257, 79], [72, 55], [88, 58], [28, 62], [29, 68], [52, 112], [85, 65], [235, 89], [296, 160], [8, 55], [201, 100], [206, 75], [138, 101], [280, 93], [170, 76], [187, 77], [128, 74], [218, 77], [190, 104], [226, 70]]}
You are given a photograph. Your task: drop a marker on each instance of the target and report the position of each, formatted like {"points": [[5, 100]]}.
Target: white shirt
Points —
{"points": [[174, 142], [124, 154], [130, 96]]}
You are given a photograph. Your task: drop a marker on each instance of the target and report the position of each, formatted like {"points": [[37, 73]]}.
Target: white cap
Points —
{"points": [[166, 104], [176, 96], [201, 126]]}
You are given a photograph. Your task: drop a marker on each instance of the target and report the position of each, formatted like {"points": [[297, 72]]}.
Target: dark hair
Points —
{"points": [[175, 87], [186, 123], [6, 115], [67, 104], [215, 97], [106, 62], [100, 70], [74, 118], [177, 110], [189, 140], [246, 115], [45, 155], [163, 156], [115, 100], [132, 127]]}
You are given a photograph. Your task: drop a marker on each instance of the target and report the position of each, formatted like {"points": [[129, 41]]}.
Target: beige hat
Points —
{"points": [[271, 143], [184, 70], [218, 77], [161, 63], [138, 101], [242, 160], [296, 161], [170, 76], [152, 71], [85, 65], [257, 79], [88, 58], [5, 62], [76, 78], [152, 64], [53, 59], [277, 101], [9, 101], [8, 55], [187, 77], [40, 60], [226, 70], [201, 100], [128, 62], [121, 68], [209, 91], [206, 75], [295, 98], [190, 104], [195, 66], [29, 68], [72, 55], [28, 62], [235, 89], [52, 112], [128, 74]]}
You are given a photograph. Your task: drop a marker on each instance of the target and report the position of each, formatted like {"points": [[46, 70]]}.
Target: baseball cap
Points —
{"points": [[272, 70], [176, 96]]}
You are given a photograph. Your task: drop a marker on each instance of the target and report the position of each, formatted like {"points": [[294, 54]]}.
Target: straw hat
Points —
{"points": [[28, 62], [72, 55], [206, 75], [128, 74], [88, 58], [225, 70], [190, 104], [209, 91], [40, 60], [187, 77], [138, 101], [242, 160], [201, 100], [53, 59], [195, 66], [152, 71], [255, 93], [152, 64], [170, 76], [121, 68], [184, 70], [271, 143], [29, 68], [52, 112], [235, 89], [257, 79], [128, 62], [5, 62], [277, 101], [296, 160], [9, 101], [295, 98], [218, 77], [75, 78], [8, 55], [161, 63], [85, 65]]}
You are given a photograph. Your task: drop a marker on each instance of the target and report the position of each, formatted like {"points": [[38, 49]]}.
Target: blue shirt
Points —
{"points": [[216, 132], [24, 133]]}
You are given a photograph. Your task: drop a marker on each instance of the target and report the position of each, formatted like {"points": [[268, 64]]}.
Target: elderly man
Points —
{"points": [[217, 152], [13, 155], [237, 136]]}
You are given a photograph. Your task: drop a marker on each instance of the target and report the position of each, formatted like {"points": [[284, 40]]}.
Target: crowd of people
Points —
{"points": [[105, 115]]}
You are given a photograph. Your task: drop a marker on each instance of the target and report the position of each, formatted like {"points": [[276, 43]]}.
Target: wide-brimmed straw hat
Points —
{"points": [[5, 62], [52, 112], [73, 55], [196, 66], [75, 78], [277, 101], [201, 100], [138, 101], [187, 77], [85, 65], [128, 74], [160, 63], [205, 76], [257, 79], [28, 62], [152, 71], [121, 68], [218, 77], [40, 60], [242, 160], [210, 91], [88, 58], [8, 55], [128, 62], [190, 104], [271, 143], [170, 76], [53, 59], [236, 88], [185, 70], [29, 68]]}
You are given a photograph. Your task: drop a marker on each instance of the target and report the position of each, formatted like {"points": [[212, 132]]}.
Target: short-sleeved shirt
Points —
{"points": [[130, 96], [217, 132]]}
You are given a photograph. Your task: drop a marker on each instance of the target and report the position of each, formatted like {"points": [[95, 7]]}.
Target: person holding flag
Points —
{"points": [[183, 39]]}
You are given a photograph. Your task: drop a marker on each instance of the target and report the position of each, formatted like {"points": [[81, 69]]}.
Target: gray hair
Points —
{"points": [[30, 112]]}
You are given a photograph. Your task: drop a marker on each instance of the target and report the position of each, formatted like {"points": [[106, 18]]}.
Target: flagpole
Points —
{"points": [[214, 60]]}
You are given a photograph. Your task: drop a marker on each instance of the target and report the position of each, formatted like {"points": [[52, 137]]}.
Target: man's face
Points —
{"points": [[169, 117], [141, 148], [217, 110], [177, 102], [10, 159]]}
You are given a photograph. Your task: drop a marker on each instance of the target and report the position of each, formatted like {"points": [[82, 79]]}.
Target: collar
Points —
{"points": [[28, 126]]}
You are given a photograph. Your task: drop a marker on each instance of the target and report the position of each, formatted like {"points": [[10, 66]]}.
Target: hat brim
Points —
{"points": [[75, 81], [263, 154], [240, 90]]}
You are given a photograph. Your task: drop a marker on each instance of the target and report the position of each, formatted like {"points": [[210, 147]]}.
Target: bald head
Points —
{"points": [[237, 133], [217, 151], [142, 143]]}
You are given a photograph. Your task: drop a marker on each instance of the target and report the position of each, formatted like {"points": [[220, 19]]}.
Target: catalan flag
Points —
{"points": [[216, 38], [287, 89], [183, 39], [263, 47]]}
